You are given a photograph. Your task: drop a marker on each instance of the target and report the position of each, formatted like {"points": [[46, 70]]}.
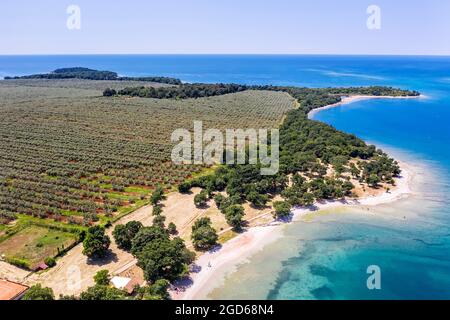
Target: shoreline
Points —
{"points": [[218, 263], [354, 98]]}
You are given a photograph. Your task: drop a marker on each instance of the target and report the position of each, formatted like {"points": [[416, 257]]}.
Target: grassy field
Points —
{"points": [[33, 244], [69, 156]]}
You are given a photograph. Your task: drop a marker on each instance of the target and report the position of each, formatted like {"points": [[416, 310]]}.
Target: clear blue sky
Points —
{"points": [[225, 26]]}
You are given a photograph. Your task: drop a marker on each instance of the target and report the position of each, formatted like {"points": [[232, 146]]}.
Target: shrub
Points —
{"points": [[108, 92], [201, 199], [102, 277], [184, 187], [172, 228], [50, 261]]}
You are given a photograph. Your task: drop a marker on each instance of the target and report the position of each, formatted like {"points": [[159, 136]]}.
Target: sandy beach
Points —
{"points": [[215, 265]]}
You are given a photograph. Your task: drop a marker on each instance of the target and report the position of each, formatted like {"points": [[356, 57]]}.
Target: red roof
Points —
{"points": [[11, 290]]}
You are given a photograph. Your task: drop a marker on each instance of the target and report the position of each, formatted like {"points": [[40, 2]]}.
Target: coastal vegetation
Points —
{"points": [[317, 162], [184, 91], [311, 98], [159, 256]]}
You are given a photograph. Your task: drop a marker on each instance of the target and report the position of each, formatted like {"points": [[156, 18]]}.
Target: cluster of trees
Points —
{"points": [[124, 234], [167, 80], [183, 91], [91, 74], [307, 150], [158, 254], [310, 98]]}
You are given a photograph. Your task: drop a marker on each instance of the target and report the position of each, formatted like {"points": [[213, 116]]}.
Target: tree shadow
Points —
{"points": [[286, 219], [203, 206], [262, 207], [215, 248], [100, 261], [182, 284]]}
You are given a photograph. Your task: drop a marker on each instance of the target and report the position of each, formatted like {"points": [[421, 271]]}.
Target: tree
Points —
{"points": [[157, 291], [123, 234], [146, 235], [157, 210], [172, 228], [96, 243], [102, 278], [164, 258], [203, 236], [157, 195], [201, 199], [373, 180], [184, 187], [308, 199], [234, 215], [108, 92], [102, 292], [282, 209], [159, 221], [37, 292], [219, 199], [258, 200], [50, 261]]}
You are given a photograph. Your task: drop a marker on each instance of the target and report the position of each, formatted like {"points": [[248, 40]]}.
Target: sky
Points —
{"points": [[412, 27]]}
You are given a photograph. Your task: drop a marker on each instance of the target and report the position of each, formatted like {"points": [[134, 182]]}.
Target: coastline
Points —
{"points": [[216, 264]]}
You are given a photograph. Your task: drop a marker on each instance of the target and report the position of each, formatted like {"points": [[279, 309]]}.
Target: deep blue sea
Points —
{"points": [[327, 258]]}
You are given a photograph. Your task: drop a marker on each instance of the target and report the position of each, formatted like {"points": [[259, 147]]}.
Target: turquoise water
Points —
{"points": [[327, 258]]}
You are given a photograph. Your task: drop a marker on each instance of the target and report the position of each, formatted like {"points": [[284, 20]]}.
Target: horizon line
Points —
{"points": [[225, 54]]}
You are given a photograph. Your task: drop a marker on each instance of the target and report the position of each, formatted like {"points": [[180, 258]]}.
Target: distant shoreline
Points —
{"points": [[353, 98]]}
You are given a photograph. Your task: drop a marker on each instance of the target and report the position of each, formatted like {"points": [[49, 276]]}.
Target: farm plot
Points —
{"points": [[32, 245]]}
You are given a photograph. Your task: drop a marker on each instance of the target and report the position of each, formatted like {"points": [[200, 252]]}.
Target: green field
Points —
{"points": [[33, 244]]}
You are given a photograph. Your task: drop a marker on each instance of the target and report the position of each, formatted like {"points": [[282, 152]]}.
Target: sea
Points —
{"points": [[333, 255]]}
